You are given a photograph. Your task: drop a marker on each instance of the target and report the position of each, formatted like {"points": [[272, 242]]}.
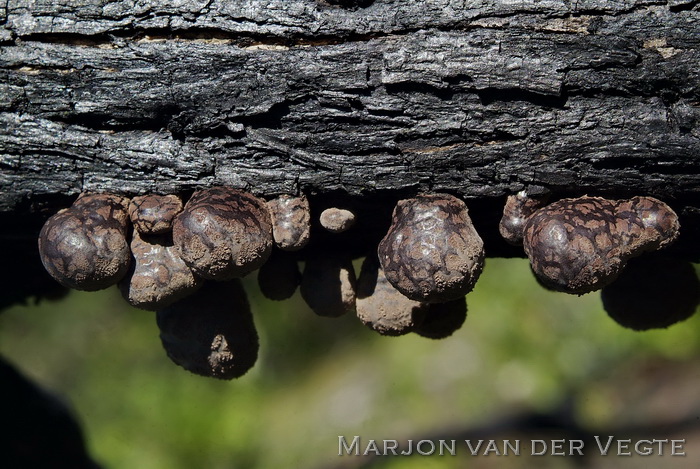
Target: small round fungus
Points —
{"points": [[328, 285], [337, 220], [432, 252], [652, 292], [581, 245], [279, 277], [154, 214], [211, 333], [443, 319], [382, 307], [84, 247], [159, 276], [223, 233], [291, 221]]}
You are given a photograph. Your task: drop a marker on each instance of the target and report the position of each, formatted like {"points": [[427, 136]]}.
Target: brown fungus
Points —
{"points": [[328, 285], [279, 277], [517, 210], [223, 233], [432, 252], [443, 319], [580, 245], [159, 276], [652, 292], [291, 217], [154, 214], [211, 333], [337, 220], [84, 247], [382, 307]]}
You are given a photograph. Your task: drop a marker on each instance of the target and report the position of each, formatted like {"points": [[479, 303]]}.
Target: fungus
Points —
{"points": [[328, 285], [337, 220], [443, 319], [652, 292], [291, 218], [382, 307], [517, 210], [211, 333], [154, 214], [581, 245], [84, 247], [159, 276], [223, 233], [432, 252], [279, 277]]}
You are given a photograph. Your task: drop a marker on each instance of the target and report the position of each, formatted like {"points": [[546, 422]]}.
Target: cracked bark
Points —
{"points": [[358, 105]]}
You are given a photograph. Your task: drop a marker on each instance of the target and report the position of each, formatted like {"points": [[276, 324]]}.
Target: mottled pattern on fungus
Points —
{"points": [[443, 319], [517, 210], [337, 220], [581, 245], [382, 307], [84, 247], [154, 214], [223, 233], [158, 276], [279, 277], [652, 292], [291, 221], [432, 252], [211, 333], [328, 285]]}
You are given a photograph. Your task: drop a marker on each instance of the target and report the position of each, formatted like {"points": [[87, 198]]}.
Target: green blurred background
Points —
{"points": [[522, 351]]}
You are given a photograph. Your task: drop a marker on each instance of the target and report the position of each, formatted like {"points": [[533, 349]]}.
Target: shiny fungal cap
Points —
{"points": [[337, 220], [382, 307], [223, 233], [432, 252], [291, 221], [84, 247], [211, 333], [159, 276], [154, 214]]}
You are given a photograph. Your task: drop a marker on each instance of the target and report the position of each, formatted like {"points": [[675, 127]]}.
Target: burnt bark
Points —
{"points": [[359, 103]]}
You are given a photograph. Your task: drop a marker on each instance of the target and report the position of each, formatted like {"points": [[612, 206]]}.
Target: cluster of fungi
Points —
{"points": [[185, 261]]}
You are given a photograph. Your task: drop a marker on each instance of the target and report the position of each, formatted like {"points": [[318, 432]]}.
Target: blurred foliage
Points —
{"points": [[522, 348]]}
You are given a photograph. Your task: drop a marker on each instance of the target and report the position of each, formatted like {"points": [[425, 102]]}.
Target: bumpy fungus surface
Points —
{"points": [[581, 245], [328, 285], [154, 214], [223, 233], [211, 333], [432, 252], [159, 276], [84, 247], [652, 292], [291, 221], [443, 319], [279, 277], [382, 307], [337, 220], [517, 210]]}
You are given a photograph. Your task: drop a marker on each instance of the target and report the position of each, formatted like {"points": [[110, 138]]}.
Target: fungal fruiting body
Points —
{"points": [[337, 220], [432, 252], [382, 307], [154, 214], [211, 333], [291, 221], [223, 233], [443, 319], [581, 245], [328, 285], [279, 277], [159, 276], [652, 292], [517, 210], [84, 247]]}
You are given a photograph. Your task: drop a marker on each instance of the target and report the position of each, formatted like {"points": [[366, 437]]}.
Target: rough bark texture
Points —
{"points": [[374, 102]]}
